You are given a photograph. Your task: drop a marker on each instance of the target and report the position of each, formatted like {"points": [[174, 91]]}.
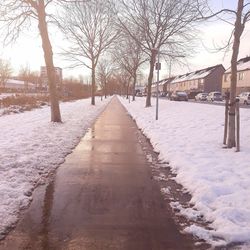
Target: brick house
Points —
{"points": [[203, 80], [243, 77]]}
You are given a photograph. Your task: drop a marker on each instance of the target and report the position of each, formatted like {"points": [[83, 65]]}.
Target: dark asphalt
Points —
{"points": [[102, 198]]}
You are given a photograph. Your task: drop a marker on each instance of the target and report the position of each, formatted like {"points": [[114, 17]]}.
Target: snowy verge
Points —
{"points": [[31, 147], [189, 136]]}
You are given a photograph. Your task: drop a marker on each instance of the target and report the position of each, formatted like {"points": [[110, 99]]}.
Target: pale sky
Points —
{"points": [[28, 50]]}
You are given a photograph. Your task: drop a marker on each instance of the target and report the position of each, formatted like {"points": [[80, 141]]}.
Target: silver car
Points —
{"points": [[214, 96]]}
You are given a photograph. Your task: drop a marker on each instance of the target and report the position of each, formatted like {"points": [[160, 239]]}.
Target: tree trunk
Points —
{"points": [[134, 83], [48, 57], [105, 91], [93, 85], [127, 90], [150, 78], [236, 44]]}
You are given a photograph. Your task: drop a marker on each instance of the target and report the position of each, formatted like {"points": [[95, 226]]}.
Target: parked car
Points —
{"points": [[214, 96], [192, 94], [179, 96], [201, 97], [244, 98], [169, 95], [163, 94]]}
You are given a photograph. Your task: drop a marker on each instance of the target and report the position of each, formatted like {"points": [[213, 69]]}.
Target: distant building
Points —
{"points": [[243, 77], [44, 77], [203, 80], [13, 84]]}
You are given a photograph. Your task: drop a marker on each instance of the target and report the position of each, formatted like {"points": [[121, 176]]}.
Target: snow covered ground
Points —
{"points": [[189, 136], [31, 147]]}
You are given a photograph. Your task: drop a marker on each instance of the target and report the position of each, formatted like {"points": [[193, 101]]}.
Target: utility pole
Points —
{"points": [[157, 67]]}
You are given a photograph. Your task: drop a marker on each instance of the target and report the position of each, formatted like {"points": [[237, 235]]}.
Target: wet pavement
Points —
{"points": [[103, 197]]}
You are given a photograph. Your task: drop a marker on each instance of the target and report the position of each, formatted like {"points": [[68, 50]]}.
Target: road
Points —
{"points": [[211, 103], [218, 103]]}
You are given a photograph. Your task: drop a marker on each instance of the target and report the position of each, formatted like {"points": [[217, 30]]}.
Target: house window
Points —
{"points": [[241, 75]]}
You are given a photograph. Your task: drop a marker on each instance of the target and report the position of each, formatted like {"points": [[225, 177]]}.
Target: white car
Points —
{"points": [[201, 97], [244, 98]]}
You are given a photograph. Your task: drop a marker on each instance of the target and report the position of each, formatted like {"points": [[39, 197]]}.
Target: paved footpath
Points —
{"points": [[102, 198]]}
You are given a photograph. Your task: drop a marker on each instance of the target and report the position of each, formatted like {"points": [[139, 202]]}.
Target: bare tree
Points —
{"points": [[26, 75], [238, 30], [128, 55], [123, 78], [104, 72], [5, 72], [240, 16], [161, 25], [18, 15], [75, 88], [89, 29]]}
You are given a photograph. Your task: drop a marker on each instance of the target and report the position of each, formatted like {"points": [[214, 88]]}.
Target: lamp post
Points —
{"points": [[171, 57], [157, 67], [169, 73]]}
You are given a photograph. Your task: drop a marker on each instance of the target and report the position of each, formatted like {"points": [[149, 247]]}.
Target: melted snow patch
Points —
{"points": [[189, 136]]}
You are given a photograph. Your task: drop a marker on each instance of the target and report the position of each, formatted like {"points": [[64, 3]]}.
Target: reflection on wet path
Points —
{"points": [[103, 197], [48, 203]]}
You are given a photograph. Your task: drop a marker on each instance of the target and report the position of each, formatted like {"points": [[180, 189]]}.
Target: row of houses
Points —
{"points": [[214, 78]]}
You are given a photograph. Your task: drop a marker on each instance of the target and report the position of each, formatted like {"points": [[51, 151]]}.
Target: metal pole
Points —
{"points": [[157, 85], [169, 75], [237, 126]]}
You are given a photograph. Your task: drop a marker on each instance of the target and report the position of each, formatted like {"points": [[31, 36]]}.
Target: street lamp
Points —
{"points": [[171, 57], [158, 68]]}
